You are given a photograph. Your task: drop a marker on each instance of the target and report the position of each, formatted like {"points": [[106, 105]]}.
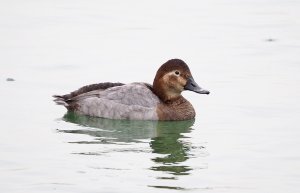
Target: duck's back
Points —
{"points": [[130, 101]]}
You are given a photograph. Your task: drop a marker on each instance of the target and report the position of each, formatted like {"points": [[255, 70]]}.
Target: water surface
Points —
{"points": [[245, 137]]}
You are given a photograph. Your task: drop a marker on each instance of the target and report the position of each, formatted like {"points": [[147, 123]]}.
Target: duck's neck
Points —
{"points": [[164, 93]]}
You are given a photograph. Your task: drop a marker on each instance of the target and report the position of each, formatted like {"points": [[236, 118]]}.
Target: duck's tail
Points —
{"points": [[60, 100]]}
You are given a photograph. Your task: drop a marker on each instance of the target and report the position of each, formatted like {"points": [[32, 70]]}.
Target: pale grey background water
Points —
{"points": [[246, 136]]}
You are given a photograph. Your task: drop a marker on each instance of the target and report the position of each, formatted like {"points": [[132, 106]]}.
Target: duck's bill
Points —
{"points": [[193, 86]]}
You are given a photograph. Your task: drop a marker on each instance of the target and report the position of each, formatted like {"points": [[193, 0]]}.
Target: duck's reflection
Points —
{"points": [[110, 131], [167, 138], [169, 143]]}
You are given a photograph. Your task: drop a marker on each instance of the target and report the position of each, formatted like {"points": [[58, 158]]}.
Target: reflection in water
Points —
{"points": [[167, 138], [110, 131], [168, 143]]}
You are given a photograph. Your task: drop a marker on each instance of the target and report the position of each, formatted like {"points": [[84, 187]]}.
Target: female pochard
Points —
{"points": [[138, 101]]}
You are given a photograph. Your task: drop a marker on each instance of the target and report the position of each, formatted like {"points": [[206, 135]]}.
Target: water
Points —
{"points": [[245, 137]]}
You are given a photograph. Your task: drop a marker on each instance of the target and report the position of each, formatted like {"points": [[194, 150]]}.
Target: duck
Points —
{"points": [[161, 101]]}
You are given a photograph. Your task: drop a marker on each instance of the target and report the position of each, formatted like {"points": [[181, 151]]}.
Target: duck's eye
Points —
{"points": [[177, 73]]}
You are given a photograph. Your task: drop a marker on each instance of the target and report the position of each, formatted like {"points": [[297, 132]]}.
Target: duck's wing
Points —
{"points": [[129, 94], [139, 94]]}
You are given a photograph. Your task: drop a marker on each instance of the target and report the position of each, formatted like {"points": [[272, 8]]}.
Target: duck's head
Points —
{"points": [[172, 78]]}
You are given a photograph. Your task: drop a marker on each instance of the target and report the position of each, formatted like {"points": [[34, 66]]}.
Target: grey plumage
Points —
{"points": [[130, 101]]}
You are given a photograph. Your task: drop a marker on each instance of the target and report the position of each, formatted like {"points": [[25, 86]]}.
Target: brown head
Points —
{"points": [[172, 78]]}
